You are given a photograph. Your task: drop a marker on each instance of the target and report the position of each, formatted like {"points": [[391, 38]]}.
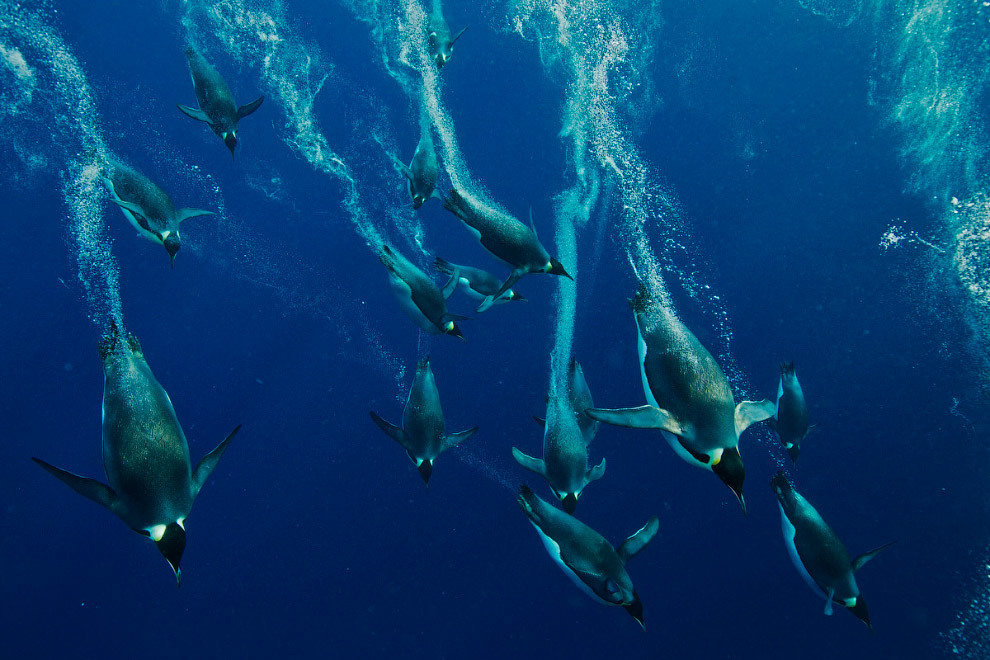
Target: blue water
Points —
{"points": [[767, 125]]}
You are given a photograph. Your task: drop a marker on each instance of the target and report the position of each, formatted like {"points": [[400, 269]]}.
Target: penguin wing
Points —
{"points": [[858, 562], [506, 285], [642, 417], [750, 412], [536, 465], [632, 545], [91, 489], [205, 467], [185, 214], [391, 430], [248, 108], [454, 439], [195, 113], [595, 473]]}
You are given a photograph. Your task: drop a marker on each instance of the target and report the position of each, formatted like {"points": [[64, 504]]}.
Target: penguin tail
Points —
{"points": [[443, 265], [787, 368]]}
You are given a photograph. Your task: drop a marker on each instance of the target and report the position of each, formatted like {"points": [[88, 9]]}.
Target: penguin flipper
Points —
{"points": [[632, 545], [454, 439], [195, 113], [91, 489], [860, 561], [751, 412], [184, 214], [391, 430], [458, 36], [506, 285], [643, 417], [595, 473], [405, 169], [248, 108], [532, 464], [540, 420], [135, 209], [451, 284], [205, 467]]}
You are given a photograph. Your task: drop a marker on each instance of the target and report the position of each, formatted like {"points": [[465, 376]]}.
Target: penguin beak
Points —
{"points": [[230, 139], [557, 268], [861, 612], [569, 502], [425, 471], [732, 472], [635, 609], [172, 544], [794, 451]]}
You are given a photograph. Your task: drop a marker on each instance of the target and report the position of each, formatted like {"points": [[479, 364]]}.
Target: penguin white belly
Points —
{"points": [[780, 393], [404, 295], [790, 532], [465, 285], [553, 549]]}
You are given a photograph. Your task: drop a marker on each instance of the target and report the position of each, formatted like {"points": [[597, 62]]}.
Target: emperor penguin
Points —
{"points": [[147, 207], [506, 238], [565, 443], [584, 555], [423, 169], [422, 433], [419, 297], [440, 41], [818, 554], [145, 455], [478, 283], [689, 398], [791, 419], [216, 103]]}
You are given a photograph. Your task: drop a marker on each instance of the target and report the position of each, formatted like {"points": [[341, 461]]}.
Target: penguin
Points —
{"points": [[423, 169], [440, 41], [565, 443], [145, 455], [422, 434], [419, 297], [216, 103], [791, 419], [581, 400], [478, 283], [818, 554], [585, 556], [147, 207], [506, 238], [689, 398]]}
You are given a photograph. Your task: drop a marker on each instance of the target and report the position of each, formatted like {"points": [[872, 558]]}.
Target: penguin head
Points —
{"points": [[425, 469], [172, 244], [635, 609], [554, 267], [171, 542], [451, 328], [859, 609], [418, 200], [514, 295], [230, 139], [730, 469], [442, 56]]}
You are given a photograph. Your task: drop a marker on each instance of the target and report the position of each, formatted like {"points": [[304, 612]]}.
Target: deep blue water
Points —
{"points": [[315, 537]]}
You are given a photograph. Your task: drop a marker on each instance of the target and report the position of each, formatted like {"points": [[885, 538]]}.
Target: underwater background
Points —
{"points": [[806, 180]]}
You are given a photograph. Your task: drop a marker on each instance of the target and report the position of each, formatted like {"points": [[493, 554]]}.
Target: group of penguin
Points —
{"points": [[152, 484]]}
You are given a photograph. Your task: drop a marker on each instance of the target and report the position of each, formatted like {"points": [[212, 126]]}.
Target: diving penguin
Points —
{"points": [[440, 41], [419, 297], [817, 552], [422, 434], [791, 419], [689, 398], [216, 103], [145, 454], [147, 207], [565, 443], [477, 283], [506, 238], [585, 556], [422, 170]]}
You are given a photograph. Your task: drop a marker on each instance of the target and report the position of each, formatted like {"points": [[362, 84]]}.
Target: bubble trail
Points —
{"points": [[48, 79], [257, 33]]}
